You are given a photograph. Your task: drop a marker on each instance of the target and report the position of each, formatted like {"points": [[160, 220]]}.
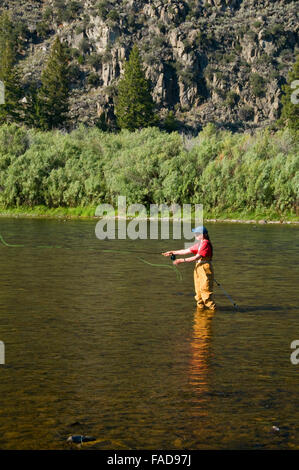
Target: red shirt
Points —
{"points": [[203, 248]]}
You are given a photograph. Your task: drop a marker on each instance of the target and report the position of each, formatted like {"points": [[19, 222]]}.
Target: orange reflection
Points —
{"points": [[200, 345]]}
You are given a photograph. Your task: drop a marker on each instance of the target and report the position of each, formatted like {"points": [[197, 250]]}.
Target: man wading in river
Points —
{"points": [[203, 271]]}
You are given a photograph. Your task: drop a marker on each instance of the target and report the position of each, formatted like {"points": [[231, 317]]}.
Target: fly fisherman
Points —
{"points": [[203, 270]]}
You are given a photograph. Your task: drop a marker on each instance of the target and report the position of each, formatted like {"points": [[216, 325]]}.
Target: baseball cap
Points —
{"points": [[200, 229]]}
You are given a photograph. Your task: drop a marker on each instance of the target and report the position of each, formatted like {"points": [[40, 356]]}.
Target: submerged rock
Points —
{"points": [[275, 429], [78, 439]]}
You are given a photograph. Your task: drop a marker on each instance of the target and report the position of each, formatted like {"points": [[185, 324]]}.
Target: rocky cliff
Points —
{"points": [[215, 61]]}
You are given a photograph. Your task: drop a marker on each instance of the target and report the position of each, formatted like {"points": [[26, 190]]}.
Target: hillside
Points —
{"points": [[208, 61]]}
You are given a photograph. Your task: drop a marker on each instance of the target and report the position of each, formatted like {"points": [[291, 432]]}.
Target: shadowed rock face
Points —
{"points": [[214, 60]]}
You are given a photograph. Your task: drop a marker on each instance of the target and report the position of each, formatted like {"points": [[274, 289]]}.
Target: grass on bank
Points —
{"points": [[89, 212]]}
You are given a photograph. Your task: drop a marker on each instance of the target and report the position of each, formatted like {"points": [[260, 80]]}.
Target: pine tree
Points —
{"points": [[134, 107], [8, 34], [52, 99], [290, 109], [32, 107], [170, 123], [10, 111]]}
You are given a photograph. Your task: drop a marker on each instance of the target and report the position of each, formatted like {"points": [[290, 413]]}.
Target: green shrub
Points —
{"points": [[223, 171], [42, 29], [209, 71], [93, 79], [139, 159], [232, 98], [95, 60], [287, 55], [113, 15], [227, 58], [74, 72], [170, 123], [48, 14], [14, 141], [258, 84], [264, 59], [257, 24], [84, 45], [251, 35], [75, 53], [246, 113], [55, 170], [81, 60], [80, 28], [107, 56], [103, 8]]}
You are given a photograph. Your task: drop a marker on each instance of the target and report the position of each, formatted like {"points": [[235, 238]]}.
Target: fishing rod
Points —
{"points": [[227, 295]]}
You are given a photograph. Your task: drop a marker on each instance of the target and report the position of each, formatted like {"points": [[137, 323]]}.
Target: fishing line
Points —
{"points": [[8, 244], [173, 267], [132, 251], [178, 273]]}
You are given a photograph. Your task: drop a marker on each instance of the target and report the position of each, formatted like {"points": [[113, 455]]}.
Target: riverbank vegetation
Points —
{"points": [[71, 173]]}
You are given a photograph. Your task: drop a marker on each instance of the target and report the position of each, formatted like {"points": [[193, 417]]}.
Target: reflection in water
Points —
{"points": [[200, 345]]}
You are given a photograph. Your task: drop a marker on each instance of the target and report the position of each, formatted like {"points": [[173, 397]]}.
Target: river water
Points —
{"points": [[103, 344]]}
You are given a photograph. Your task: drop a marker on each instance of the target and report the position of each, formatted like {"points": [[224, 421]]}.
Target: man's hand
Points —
{"points": [[167, 253], [178, 261]]}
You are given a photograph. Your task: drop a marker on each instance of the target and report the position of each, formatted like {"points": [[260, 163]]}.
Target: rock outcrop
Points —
{"points": [[214, 60]]}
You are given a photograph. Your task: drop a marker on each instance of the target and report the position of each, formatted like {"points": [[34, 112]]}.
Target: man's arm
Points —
{"points": [[192, 258], [187, 260], [177, 252]]}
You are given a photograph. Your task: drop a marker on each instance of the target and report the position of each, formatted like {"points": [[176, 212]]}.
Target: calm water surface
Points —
{"points": [[103, 344]]}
